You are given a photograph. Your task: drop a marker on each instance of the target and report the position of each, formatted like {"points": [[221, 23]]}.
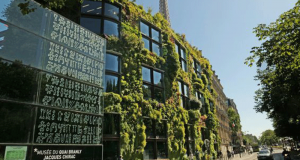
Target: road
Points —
{"points": [[276, 156]]}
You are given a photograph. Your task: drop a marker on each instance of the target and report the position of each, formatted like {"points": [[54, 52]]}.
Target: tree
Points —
{"points": [[268, 137], [279, 91], [234, 120]]}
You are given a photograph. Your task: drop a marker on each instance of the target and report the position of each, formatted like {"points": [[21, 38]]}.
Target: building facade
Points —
{"points": [[221, 106], [159, 99]]}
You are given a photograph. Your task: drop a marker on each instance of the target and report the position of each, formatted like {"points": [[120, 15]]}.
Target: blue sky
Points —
{"points": [[222, 29]]}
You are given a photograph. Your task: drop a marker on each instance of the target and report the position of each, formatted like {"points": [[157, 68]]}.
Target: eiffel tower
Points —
{"points": [[164, 10]]}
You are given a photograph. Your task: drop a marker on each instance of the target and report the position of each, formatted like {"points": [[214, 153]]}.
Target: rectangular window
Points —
{"points": [[197, 68], [151, 38], [184, 94], [189, 139], [182, 56], [153, 84], [112, 73]]}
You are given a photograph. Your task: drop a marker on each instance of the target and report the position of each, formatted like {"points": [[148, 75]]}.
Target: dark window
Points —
{"points": [[112, 73], [189, 139], [111, 125], [111, 136], [151, 38], [156, 133], [197, 68], [112, 11], [182, 56], [100, 18], [111, 84], [153, 84], [111, 150], [91, 24], [184, 94]]}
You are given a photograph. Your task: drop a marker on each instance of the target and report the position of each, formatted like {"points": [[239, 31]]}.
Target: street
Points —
{"points": [[276, 156]]}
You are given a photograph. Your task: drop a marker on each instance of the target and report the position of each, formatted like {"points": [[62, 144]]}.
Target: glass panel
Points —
{"points": [[17, 82], [182, 54], [111, 28], [158, 94], [180, 87], [181, 101], [111, 125], [90, 7], [155, 35], [111, 84], [144, 28], [15, 152], [111, 150], [146, 43], [112, 62], [91, 24], [162, 150], [156, 49], [16, 122], [183, 66], [198, 67], [176, 48], [161, 129], [196, 94], [149, 127], [192, 147], [147, 92], [186, 90], [112, 11], [149, 151], [157, 78], [146, 74]]}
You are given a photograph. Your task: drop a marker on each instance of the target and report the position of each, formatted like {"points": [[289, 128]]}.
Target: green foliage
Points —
{"points": [[268, 137], [278, 59], [234, 118]]}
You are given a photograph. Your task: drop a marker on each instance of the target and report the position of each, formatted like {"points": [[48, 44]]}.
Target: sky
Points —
{"points": [[222, 29]]}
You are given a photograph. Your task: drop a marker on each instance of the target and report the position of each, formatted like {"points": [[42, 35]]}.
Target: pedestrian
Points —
{"points": [[121, 157], [271, 150], [228, 154]]}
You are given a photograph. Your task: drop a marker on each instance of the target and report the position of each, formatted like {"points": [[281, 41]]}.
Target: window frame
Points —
{"points": [[113, 73], [150, 38], [102, 17], [113, 138], [155, 138], [181, 59], [152, 85], [189, 138], [185, 99], [198, 73]]}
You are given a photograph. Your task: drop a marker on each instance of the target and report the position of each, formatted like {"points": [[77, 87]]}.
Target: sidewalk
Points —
{"points": [[238, 156]]}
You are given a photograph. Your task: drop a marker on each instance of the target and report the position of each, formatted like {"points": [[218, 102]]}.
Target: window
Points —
{"points": [[197, 68], [111, 136], [112, 73], [156, 133], [151, 38], [184, 95], [200, 97], [153, 84], [100, 18], [189, 139], [182, 56]]}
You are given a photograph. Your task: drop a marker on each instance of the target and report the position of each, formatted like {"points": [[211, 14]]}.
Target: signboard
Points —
{"points": [[62, 68], [15, 153]]}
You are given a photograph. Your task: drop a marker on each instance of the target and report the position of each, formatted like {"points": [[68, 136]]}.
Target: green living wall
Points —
{"points": [[130, 103]]}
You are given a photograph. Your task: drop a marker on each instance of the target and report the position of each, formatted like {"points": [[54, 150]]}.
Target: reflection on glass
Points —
{"points": [[110, 150], [111, 124], [146, 74], [181, 101], [176, 48], [156, 49], [155, 35], [158, 94], [192, 147], [146, 91], [111, 28], [146, 43], [149, 127], [180, 87], [149, 151], [161, 129], [182, 54], [90, 7], [112, 11], [91, 24], [183, 66], [112, 62], [186, 90], [111, 84], [157, 78], [15, 123], [17, 82], [162, 149], [144, 28]]}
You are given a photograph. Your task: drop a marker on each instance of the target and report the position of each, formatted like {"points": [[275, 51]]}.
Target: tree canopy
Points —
{"points": [[278, 73], [268, 137], [234, 120]]}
